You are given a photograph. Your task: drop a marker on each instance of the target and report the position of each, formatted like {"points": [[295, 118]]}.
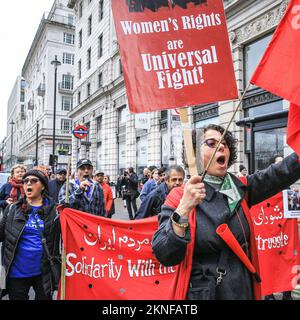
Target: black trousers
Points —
{"points": [[131, 201], [18, 288]]}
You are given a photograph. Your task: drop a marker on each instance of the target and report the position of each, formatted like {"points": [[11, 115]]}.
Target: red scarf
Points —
{"points": [[16, 186], [180, 286]]}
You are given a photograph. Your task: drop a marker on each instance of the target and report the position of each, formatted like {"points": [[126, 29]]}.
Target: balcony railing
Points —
{"points": [[68, 20], [65, 87]]}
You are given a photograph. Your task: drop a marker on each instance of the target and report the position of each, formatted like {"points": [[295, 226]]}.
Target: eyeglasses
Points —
{"points": [[212, 143], [32, 180]]}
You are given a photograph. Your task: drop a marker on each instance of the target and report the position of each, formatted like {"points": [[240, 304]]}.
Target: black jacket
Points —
{"points": [[54, 187], [11, 227], [151, 205], [5, 194], [170, 249]]}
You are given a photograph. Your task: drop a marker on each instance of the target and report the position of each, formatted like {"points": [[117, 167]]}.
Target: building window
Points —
{"points": [[68, 58], [88, 89], [79, 69], [71, 20], [100, 8], [80, 9], [78, 97], [120, 67], [100, 46], [80, 38], [67, 82], [122, 115], [69, 38], [100, 80], [67, 103], [253, 54], [99, 128], [66, 126], [22, 98], [89, 55], [90, 25]]}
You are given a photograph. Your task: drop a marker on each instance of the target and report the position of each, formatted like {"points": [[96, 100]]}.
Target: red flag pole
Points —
{"points": [[63, 254]]}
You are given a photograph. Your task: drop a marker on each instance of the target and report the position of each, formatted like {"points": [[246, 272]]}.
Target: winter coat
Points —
{"points": [[171, 249], [11, 227], [54, 187], [79, 200], [149, 186], [5, 194], [151, 205]]}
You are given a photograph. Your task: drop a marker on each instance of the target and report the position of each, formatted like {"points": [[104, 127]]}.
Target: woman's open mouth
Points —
{"points": [[29, 189], [221, 160]]}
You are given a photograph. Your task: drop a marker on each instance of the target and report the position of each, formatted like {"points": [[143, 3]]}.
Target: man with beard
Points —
{"points": [[84, 194]]}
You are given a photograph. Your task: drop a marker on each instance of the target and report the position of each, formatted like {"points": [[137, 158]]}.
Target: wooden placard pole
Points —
{"points": [[63, 254], [188, 141]]}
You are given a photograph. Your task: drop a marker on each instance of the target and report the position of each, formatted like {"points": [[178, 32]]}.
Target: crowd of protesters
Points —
{"points": [[29, 200]]}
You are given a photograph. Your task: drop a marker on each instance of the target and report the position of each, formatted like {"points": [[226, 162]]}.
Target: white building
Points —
{"points": [[100, 100], [54, 38], [15, 116]]}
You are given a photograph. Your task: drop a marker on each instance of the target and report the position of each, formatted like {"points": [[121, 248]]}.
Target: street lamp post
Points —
{"points": [[12, 123], [37, 143], [56, 63]]}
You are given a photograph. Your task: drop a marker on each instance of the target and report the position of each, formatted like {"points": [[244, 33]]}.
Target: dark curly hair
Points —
{"points": [[229, 138]]}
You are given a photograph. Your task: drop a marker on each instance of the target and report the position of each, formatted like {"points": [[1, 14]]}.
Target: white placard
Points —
{"points": [[291, 204]]}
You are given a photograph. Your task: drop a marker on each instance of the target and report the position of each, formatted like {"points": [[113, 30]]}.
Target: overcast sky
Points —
{"points": [[19, 20]]}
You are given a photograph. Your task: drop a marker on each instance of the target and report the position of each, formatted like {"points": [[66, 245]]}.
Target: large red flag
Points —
{"points": [[293, 132], [279, 69]]}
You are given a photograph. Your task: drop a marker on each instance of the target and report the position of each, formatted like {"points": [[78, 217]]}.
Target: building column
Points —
{"points": [[154, 140], [130, 141]]}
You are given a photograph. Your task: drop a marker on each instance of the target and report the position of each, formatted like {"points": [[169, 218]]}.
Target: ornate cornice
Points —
{"points": [[205, 112], [259, 99], [263, 23]]}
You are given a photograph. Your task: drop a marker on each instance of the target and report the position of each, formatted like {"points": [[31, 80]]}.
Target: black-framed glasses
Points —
{"points": [[212, 143], [32, 180]]}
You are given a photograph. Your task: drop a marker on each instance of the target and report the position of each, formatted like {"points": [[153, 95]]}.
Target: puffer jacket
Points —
{"points": [[11, 227]]}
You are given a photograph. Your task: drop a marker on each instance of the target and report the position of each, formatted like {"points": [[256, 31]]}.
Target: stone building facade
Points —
{"points": [[54, 38]]}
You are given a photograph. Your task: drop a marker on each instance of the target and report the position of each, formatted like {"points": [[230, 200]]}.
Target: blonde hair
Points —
{"points": [[21, 166]]}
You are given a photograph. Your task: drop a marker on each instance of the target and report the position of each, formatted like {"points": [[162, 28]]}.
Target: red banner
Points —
{"points": [[278, 245], [110, 259], [174, 53]]}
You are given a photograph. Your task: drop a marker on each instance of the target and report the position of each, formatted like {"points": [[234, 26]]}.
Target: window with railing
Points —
{"points": [[67, 82], [68, 58], [99, 128], [67, 103], [66, 126]]}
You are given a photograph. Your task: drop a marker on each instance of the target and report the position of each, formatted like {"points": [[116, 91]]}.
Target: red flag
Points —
{"points": [[278, 71], [293, 132]]}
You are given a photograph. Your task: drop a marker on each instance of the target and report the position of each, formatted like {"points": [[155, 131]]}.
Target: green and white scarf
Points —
{"points": [[227, 187]]}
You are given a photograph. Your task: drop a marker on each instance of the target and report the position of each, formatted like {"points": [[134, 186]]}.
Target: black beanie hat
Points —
{"points": [[39, 174]]}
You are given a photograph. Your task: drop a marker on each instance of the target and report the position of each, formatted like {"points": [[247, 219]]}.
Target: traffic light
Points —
{"points": [[53, 160]]}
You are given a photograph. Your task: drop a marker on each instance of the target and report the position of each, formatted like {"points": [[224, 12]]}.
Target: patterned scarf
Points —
{"points": [[16, 186], [227, 187]]}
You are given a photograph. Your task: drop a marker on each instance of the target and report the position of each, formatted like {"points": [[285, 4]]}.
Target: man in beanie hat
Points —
{"points": [[56, 184], [84, 193]]}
